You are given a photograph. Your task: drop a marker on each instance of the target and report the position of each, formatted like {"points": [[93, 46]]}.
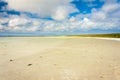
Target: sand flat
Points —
{"points": [[36, 58]]}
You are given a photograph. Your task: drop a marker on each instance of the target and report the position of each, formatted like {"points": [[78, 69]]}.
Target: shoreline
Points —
{"points": [[104, 38]]}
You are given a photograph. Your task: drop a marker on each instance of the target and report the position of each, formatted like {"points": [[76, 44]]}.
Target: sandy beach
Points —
{"points": [[36, 58]]}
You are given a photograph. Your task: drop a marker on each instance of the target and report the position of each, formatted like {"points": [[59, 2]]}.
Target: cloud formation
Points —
{"points": [[57, 9], [104, 18]]}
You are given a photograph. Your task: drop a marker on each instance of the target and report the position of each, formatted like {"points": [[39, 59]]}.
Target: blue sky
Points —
{"points": [[59, 17]]}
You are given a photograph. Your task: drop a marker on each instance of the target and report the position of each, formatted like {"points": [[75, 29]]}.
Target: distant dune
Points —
{"points": [[112, 35]]}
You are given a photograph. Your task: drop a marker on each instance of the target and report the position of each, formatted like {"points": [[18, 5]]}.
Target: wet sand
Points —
{"points": [[36, 58]]}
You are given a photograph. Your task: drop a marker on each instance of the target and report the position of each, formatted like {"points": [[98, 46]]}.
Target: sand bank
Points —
{"points": [[35, 58]]}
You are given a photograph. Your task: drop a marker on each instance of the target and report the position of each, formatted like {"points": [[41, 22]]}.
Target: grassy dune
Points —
{"points": [[113, 35]]}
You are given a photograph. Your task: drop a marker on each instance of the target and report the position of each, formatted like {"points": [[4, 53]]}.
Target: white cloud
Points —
{"points": [[87, 24], [82, 22], [106, 18], [110, 7], [45, 8], [99, 15], [1, 27], [17, 21], [62, 12]]}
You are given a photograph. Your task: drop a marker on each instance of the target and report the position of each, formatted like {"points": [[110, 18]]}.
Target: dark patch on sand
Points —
{"points": [[11, 60], [29, 64], [41, 57]]}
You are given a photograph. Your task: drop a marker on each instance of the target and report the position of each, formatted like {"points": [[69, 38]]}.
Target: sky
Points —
{"points": [[59, 17]]}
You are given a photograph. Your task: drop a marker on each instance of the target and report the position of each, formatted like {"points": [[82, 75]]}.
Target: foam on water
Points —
{"points": [[115, 39]]}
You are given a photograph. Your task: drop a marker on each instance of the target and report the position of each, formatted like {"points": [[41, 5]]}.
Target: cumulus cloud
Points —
{"points": [[44, 8], [105, 18], [62, 12], [107, 13], [1, 28], [111, 7]]}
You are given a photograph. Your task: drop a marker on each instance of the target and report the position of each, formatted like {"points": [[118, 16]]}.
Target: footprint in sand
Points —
{"points": [[11, 60], [29, 64], [55, 64], [101, 76], [40, 56]]}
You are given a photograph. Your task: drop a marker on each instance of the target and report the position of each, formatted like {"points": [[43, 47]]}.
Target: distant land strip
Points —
{"points": [[111, 35]]}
